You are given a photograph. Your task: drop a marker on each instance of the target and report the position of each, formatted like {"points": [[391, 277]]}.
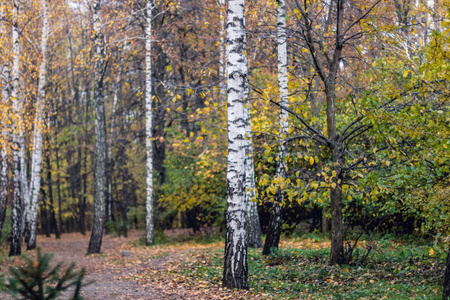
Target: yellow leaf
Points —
{"points": [[405, 73], [169, 68], [333, 185], [431, 251], [311, 160]]}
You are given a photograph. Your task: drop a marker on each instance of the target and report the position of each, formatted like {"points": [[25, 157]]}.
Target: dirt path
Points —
{"points": [[145, 274]]}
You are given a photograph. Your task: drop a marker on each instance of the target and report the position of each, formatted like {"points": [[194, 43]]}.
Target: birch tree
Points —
{"points": [[5, 135], [95, 241], [235, 260], [16, 204], [149, 220], [35, 183], [276, 221]]}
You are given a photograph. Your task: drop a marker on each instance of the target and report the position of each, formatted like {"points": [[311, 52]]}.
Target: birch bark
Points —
{"points": [[149, 220], [16, 204], [36, 160], [235, 259], [276, 220], [95, 241], [5, 135]]}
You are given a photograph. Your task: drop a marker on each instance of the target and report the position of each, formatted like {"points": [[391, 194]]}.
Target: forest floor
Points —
{"points": [[147, 273], [183, 266]]}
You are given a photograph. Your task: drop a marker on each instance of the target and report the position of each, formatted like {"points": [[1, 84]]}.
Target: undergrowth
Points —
{"points": [[395, 270]]}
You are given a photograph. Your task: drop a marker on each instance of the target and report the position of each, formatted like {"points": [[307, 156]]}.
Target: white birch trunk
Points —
{"points": [[275, 223], [36, 158], [5, 135], [149, 219], [95, 241], [283, 87], [235, 259], [16, 205]]}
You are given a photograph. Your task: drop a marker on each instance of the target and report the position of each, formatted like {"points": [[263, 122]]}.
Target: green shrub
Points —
{"points": [[37, 280]]}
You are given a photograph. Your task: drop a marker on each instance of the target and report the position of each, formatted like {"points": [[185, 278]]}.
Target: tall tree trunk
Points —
{"points": [[5, 135], [35, 183], [337, 226], [44, 215], [235, 270], [54, 225], [117, 85], [222, 62], [78, 186], [58, 186], [95, 241], [254, 239], [149, 219], [276, 220], [125, 193], [16, 205]]}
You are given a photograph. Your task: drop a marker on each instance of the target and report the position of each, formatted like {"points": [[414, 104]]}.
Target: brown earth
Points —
{"points": [[148, 273]]}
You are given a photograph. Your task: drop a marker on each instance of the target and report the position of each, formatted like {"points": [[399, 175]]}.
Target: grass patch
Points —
{"points": [[393, 271]]}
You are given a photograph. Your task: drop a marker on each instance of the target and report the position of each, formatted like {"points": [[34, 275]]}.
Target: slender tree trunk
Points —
{"points": [[123, 202], [149, 219], [337, 227], [16, 205], [276, 220], [95, 241], [58, 186], [50, 192], [222, 63], [5, 134], [254, 239], [35, 183], [235, 270], [44, 215], [111, 134], [446, 286]]}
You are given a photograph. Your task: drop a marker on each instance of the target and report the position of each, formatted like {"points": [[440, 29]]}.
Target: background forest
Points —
{"points": [[346, 114]]}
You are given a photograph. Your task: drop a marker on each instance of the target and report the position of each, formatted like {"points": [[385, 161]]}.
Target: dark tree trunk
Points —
{"points": [[109, 196], [95, 241], [337, 228], [275, 224], [3, 187], [81, 206], [50, 195], [16, 205], [44, 216], [446, 286], [58, 185]]}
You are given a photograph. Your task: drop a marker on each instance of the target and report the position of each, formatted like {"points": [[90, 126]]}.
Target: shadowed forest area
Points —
{"points": [[224, 149]]}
